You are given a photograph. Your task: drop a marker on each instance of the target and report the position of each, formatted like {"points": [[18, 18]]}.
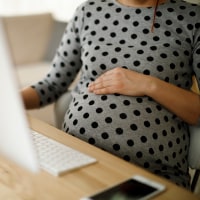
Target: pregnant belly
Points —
{"points": [[134, 128]]}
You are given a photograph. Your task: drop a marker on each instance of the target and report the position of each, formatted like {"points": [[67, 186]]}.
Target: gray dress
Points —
{"points": [[104, 34]]}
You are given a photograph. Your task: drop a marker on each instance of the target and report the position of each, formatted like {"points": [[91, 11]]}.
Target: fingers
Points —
{"points": [[105, 90], [100, 86], [107, 83]]}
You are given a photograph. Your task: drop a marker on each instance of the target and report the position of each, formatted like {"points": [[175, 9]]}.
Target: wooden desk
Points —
{"points": [[17, 183]]}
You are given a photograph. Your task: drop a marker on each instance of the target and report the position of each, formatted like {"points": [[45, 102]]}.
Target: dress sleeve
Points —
{"points": [[196, 48], [66, 62]]}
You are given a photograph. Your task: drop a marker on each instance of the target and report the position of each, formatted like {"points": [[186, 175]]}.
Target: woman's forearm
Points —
{"points": [[30, 98], [185, 104]]}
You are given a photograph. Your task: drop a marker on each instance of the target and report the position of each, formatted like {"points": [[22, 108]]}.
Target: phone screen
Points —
{"points": [[128, 190]]}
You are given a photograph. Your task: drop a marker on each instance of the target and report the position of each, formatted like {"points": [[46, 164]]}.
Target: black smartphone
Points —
{"points": [[135, 188]]}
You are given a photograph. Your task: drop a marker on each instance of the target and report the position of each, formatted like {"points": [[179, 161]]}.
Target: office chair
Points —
{"points": [[194, 150], [61, 107], [194, 154]]}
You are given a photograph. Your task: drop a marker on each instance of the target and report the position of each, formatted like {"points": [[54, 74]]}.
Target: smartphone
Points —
{"points": [[135, 188]]}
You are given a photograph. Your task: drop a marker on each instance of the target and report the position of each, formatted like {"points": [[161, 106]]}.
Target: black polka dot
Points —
{"points": [[114, 60], [133, 127], [126, 102], [123, 116], [139, 154], [146, 165], [119, 131], [108, 120], [136, 112], [116, 147], [127, 158], [155, 136], [94, 124], [75, 122], [91, 140], [86, 115], [143, 139], [104, 98], [99, 110], [161, 147], [82, 130], [151, 151], [105, 135], [147, 124], [113, 106]]}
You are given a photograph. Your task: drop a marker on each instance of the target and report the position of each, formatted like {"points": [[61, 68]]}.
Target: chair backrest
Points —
{"points": [[194, 150]]}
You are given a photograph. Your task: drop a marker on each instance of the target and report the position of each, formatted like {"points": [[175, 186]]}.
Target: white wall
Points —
{"points": [[61, 9]]}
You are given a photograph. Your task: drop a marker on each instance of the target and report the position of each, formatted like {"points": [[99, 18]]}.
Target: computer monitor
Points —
{"points": [[15, 141]]}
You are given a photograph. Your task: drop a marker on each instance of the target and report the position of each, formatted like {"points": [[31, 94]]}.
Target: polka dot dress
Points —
{"points": [[104, 34]]}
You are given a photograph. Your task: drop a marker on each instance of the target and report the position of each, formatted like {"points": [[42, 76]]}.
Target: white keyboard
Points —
{"points": [[57, 158]]}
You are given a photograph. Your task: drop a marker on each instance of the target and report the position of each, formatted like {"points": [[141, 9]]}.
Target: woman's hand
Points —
{"points": [[121, 81], [183, 103], [30, 98]]}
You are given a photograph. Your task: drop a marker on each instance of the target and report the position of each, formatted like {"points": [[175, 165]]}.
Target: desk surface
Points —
{"points": [[17, 183]]}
